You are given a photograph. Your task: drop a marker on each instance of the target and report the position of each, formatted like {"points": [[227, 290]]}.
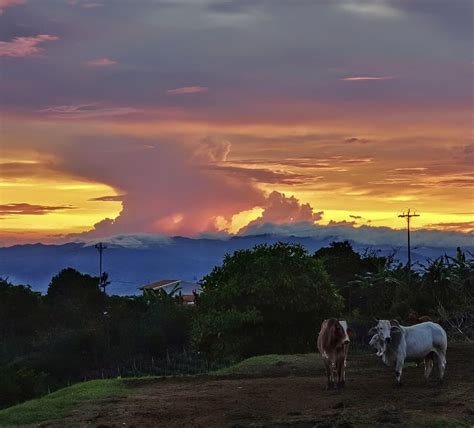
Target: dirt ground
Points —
{"points": [[293, 394]]}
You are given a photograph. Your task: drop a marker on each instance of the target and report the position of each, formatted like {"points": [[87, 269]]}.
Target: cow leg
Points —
{"points": [[428, 365], [330, 383], [441, 365], [398, 371], [341, 373]]}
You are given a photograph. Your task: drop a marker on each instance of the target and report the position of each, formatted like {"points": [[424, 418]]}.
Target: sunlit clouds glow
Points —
{"points": [[195, 117]]}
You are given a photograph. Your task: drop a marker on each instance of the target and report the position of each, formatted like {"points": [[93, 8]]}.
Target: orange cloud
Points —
{"points": [[466, 226], [24, 46]]}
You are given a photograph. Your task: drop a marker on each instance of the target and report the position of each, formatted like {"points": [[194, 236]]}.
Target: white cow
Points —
{"points": [[425, 341], [377, 343]]}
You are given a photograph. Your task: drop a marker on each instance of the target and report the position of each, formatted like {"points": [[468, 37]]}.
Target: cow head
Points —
{"points": [[387, 331], [346, 333], [338, 333]]}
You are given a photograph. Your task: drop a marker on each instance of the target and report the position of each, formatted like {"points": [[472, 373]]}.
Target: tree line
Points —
{"points": [[269, 299]]}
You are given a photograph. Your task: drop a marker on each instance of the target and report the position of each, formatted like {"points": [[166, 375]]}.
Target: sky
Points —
{"points": [[201, 117]]}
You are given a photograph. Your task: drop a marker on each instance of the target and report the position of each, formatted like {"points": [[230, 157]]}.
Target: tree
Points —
{"points": [[74, 298], [268, 299], [345, 266], [21, 316]]}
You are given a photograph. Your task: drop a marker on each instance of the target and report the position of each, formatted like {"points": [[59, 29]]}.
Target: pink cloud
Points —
{"points": [[367, 78], [24, 46], [91, 5], [164, 184], [8, 3], [187, 90], [101, 62], [280, 209]]}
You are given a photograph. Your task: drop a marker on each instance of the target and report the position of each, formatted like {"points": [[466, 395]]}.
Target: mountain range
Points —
{"points": [[132, 261]]}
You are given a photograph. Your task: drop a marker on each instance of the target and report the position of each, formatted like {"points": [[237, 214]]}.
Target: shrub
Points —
{"points": [[270, 299]]}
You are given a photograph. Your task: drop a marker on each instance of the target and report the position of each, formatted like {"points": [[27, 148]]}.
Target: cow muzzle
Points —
{"points": [[387, 340]]}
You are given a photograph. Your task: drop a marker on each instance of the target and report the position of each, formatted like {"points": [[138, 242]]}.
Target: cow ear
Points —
{"points": [[394, 323], [350, 332], [373, 330]]}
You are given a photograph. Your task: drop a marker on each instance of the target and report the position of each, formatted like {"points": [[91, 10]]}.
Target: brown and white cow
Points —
{"points": [[333, 344]]}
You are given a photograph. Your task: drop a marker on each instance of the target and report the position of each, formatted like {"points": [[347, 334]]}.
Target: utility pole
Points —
{"points": [[102, 282], [408, 214]]}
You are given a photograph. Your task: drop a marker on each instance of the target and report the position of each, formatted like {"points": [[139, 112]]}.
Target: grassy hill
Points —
{"points": [[269, 390], [60, 403]]}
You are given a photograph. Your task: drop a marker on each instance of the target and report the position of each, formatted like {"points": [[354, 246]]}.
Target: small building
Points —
{"points": [[187, 291]]}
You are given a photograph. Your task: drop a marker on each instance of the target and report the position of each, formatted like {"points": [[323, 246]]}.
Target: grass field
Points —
{"points": [[269, 390], [60, 403]]}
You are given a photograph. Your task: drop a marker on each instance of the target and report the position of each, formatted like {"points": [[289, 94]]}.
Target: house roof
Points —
{"points": [[183, 288], [158, 284]]}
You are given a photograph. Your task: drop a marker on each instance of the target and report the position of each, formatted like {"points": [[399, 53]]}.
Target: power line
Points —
{"points": [[409, 214], [102, 278]]}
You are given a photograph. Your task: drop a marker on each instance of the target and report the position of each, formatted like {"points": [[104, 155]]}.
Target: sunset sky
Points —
{"points": [[191, 117]]}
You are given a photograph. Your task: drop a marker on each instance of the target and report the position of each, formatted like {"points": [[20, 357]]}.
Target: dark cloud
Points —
{"points": [[31, 209], [262, 175], [86, 111], [341, 223], [354, 140], [303, 65], [454, 17], [114, 198]]}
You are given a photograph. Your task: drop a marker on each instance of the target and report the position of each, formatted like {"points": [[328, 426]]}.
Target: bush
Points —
{"points": [[19, 383], [258, 299]]}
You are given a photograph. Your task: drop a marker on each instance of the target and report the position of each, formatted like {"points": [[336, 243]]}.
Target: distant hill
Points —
{"points": [[137, 260]]}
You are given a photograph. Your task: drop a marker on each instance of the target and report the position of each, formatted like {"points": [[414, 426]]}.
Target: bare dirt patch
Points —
{"points": [[293, 394]]}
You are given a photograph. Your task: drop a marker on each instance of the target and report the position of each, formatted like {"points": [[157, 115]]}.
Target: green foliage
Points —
{"points": [[345, 266], [77, 332], [270, 299], [61, 403], [258, 298], [166, 323], [21, 316], [73, 298], [19, 383], [374, 286]]}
